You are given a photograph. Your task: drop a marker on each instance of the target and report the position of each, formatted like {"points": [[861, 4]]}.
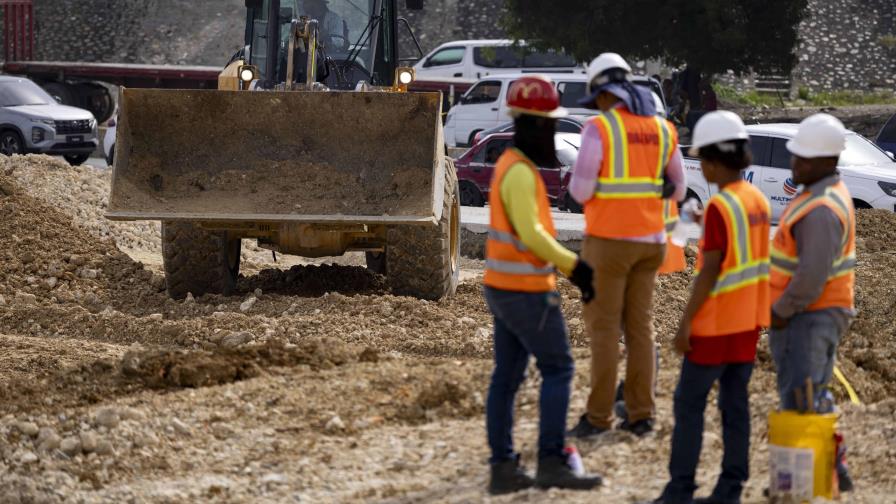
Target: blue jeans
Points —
{"points": [[687, 437], [806, 349], [528, 324]]}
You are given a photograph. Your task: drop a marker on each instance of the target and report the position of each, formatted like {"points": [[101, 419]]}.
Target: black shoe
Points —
{"points": [[713, 500], [509, 476], [584, 429], [556, 472], [639, 428]]}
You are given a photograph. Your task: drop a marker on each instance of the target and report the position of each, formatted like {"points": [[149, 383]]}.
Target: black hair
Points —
{"points": [[734, 154], [534, 136]]}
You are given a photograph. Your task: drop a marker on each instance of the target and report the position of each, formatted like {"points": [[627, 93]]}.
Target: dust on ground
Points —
{"points": [[312, 382]]}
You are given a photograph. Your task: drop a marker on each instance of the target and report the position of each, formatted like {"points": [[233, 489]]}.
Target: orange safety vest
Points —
{"points": [[739, 300], [627, 199], [509, 265], [839, 290], [674, 260]]}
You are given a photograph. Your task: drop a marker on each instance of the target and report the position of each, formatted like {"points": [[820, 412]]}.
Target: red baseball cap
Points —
{"points": [[535, 95]]}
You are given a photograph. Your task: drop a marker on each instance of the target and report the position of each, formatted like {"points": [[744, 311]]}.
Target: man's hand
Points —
{"points": [[682, 341], [778, 322], [583, 278]]}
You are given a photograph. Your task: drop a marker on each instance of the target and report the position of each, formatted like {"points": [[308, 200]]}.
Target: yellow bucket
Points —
{"points": [[802, 452]]}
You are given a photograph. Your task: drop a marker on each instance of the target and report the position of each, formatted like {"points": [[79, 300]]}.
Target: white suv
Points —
{"points": [[484, 105], [868, 172], [474, 59]]}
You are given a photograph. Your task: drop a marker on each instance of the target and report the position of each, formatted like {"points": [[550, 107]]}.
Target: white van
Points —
{"points": [[474, 59], [484, 105]]}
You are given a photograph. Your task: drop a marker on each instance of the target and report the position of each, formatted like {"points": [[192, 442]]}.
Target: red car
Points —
{"points": [[475, 167]]}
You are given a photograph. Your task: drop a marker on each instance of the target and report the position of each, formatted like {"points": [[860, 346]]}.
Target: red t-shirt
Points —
{"points": [[729, 348]]}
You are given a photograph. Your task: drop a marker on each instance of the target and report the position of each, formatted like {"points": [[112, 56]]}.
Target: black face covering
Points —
{"points": [[534, 136]]}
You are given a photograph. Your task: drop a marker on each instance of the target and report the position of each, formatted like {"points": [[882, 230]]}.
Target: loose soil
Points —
{"points": [[325, 388]]}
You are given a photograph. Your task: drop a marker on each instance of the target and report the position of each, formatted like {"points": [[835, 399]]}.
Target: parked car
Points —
{"points": [[484, 106], [474, 59], [109, 140], [476, 166], [31, 121], [868, 172], [886, 138]]}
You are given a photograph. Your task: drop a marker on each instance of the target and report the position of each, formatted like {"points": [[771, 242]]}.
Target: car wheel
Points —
{"points": [[11, 143], [76, 159], [860, 205], [470, 194]]}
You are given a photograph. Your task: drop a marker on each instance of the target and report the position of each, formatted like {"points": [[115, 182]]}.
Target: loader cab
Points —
{"points": [[358, 40]]}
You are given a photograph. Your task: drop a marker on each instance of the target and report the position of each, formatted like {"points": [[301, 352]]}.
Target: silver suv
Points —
{"points": [[32, 122]]}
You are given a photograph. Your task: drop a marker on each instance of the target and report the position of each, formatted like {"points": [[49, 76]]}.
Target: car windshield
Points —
{"points": [[23, 92], [860, 151], [567, 157]]}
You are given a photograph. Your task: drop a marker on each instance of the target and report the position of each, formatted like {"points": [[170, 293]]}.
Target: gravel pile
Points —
{"points": [[313, 384]]}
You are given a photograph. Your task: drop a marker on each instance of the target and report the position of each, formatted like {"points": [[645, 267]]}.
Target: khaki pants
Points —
{"points": [[624, 280]]}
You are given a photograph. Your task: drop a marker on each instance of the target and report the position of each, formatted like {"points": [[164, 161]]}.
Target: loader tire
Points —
{"points": [[198, 261], [424, 261]]}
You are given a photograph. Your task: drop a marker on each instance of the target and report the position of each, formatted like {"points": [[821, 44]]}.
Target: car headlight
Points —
{"points": [[49, 122], [888, 187]]}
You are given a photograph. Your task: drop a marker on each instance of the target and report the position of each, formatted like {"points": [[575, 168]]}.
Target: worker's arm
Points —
{"points": [[675, 172], [818, 238], [584, 175], [518, 194]]}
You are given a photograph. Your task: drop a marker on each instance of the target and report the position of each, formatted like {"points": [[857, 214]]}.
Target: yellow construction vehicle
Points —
{"points": [[312, 146]]}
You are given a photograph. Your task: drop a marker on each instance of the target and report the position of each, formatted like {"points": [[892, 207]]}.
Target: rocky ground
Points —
{"points": [[312, 383]]}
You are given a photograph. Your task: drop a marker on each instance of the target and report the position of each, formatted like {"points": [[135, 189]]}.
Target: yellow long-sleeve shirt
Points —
{"points": [[518, 194]]}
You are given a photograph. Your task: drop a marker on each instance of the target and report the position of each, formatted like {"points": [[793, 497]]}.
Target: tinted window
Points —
{"points": [[780, 155], [446, 56], [888, 134], [861, 152], [571, 93], [23, 92], [491, 151], [547, 59], [484, 92], [498, 57], [761, 147], [568, 126]]}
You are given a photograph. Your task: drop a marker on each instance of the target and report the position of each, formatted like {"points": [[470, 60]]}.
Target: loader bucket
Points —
{"points": [[208, 155]]}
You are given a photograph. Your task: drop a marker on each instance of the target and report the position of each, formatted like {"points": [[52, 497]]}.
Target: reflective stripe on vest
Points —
{"points": [[670, 218], [740, 298], [619, 185], [510, 265], [747, 270], [839, 288]]}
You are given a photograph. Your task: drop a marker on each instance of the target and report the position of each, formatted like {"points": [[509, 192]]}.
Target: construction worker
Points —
{"points": [[521, 291], [626, 155], [812, 278], [728, 307]]}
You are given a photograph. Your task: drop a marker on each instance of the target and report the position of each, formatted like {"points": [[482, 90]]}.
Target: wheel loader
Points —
{"points": [[311, 145]]}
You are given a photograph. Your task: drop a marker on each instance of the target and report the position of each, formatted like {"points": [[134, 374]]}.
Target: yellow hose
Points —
{"points": [[853, 397]]}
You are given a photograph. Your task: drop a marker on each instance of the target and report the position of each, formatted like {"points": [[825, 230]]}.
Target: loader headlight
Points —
{"points": [[403, 77], [247, 74]]}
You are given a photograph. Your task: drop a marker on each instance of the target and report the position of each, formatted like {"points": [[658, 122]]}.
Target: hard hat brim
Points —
{"points": [[553, 114], [797, 149]]}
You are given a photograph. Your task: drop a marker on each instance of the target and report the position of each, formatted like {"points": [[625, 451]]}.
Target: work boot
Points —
{"points": [[713, 500], [509, 476], [639, 428], [585, 429], [556, 472]]}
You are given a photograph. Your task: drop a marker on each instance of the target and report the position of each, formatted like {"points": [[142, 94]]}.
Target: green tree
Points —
{"points": [[713, 35]]}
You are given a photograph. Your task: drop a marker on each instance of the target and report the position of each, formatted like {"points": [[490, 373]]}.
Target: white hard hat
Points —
{"points": [[603, 63], [717, 127], [820, 135]]}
